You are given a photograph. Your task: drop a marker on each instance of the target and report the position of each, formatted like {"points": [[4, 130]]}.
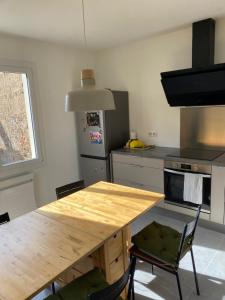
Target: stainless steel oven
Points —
{"points": [[174, 172]]}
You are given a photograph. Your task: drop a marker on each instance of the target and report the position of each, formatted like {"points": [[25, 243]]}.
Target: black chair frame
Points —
{"points": [[4, 218], [187, 236], [64, 191], [113, 291], [68, 189]]}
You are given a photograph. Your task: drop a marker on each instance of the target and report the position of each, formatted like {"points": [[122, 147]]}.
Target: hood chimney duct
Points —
{"points": [[203, 43], [203, 84]]}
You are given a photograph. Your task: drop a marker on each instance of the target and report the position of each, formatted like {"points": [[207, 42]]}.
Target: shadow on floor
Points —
{"points": [[162, 286]]}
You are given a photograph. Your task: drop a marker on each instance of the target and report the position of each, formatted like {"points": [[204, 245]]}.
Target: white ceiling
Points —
{"points": [[109, 23]]}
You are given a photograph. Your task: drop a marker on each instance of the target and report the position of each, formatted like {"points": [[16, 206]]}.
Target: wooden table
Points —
{"points": [[38, 247]]}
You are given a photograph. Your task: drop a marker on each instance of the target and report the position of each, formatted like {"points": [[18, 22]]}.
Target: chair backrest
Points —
{"points": [[113, 291], [68, 189], [188, 233], [4, 218]]}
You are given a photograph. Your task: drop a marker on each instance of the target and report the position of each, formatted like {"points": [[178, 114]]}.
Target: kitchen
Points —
{"points": [[133, 67], [201, 136]]}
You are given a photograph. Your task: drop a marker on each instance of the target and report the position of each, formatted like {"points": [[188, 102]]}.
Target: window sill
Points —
{"points": [[20, 168]]}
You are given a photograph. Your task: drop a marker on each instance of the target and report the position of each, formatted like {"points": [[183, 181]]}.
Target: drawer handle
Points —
{"points": [[138, 166], [117, 259], [115, 236], [136, 183]]}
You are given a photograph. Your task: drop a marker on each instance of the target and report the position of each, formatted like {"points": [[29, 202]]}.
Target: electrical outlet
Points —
{"points": [[152, 133]]}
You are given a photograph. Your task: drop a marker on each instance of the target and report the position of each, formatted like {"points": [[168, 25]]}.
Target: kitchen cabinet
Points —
{"points": [[147, 173], [218, 194], [140, 172]]}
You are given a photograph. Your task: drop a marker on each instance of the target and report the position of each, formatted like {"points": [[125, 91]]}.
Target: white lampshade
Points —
{"points": [[88, 97]]}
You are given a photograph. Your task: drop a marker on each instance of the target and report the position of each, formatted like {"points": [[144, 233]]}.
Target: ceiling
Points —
{"points": [[108, 23]]}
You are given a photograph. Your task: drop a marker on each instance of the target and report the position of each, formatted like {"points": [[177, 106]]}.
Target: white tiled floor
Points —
{"points": [[209, 252]]}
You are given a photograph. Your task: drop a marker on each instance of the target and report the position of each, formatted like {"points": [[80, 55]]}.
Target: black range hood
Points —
{"points": [[204, 83]]}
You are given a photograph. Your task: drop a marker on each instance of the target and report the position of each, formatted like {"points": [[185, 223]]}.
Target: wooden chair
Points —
{"points": [[4, 218], [164, 247], [92, 286], [68, 189]]}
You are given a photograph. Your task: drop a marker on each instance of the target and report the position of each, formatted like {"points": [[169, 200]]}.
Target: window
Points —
{"points": [[19, 147]]}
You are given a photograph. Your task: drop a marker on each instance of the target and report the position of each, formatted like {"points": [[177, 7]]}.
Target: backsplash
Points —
{"points": [[202, 127]]}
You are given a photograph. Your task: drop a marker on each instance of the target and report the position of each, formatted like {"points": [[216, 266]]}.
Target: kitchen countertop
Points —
{"points": [[163, 152], [219, 161], [156, 152]]}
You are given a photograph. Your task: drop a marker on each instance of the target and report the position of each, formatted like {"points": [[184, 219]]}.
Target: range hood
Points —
{"points": [[204, 83]]}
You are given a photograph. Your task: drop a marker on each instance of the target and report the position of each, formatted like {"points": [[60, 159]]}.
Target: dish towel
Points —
{"points": [[193, 188]]}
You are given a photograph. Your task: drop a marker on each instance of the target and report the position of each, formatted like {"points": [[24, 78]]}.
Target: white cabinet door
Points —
{"points": [[138, 185], [138, 174], [142, 187], [217, 194], [139, 161]]}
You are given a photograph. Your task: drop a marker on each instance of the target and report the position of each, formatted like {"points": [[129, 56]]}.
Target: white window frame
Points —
{"points": [[21, 167]]}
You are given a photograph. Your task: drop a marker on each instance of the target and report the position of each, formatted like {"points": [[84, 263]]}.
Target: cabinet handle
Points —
{"points": [[139, 166], [136, 183], [117, 259], [115, 236]]}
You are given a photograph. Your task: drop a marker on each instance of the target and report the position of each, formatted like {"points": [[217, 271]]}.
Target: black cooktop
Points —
{"points": [[200, 154]]}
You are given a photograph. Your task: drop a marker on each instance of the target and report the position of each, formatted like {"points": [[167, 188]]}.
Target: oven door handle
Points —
{"points": [[174, 172], [182, 173]]}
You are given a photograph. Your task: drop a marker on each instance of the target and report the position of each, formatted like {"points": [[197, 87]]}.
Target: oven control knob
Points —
{"points": [[195, 168], [175, 165]]}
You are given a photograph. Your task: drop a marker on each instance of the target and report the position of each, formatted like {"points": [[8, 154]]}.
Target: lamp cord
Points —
{"points": [[84, 25]]}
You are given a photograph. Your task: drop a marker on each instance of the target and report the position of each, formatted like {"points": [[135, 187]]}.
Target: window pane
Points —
{"points": [[17, 142]]}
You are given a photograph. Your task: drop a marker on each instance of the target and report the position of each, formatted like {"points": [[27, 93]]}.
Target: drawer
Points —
{"points": [[140, 161], [84, 265], [143, 187], [138, 174], [137, 185], [114, 246], [68, 276], [116, 269]]}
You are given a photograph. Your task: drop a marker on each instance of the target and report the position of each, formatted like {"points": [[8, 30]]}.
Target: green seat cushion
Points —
{"points": [[159, 241], [52, 297], [81, 288]]}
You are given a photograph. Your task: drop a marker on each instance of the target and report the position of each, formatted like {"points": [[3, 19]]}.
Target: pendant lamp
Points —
{"points": [[88, 97]]}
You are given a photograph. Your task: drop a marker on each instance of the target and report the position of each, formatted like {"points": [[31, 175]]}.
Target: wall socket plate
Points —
{"points": [[152, 133]]}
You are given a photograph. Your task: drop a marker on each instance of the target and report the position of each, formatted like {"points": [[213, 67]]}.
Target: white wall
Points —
{"points": [[58, 71], [136, 67]]}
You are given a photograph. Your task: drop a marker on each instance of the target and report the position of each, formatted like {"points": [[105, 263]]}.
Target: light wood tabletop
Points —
{"points": [[37, 247]]}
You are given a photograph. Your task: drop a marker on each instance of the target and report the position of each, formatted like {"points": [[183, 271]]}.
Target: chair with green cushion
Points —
{"points": [[92, 286], [69, 189], [4, 218], [164, 247]]}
